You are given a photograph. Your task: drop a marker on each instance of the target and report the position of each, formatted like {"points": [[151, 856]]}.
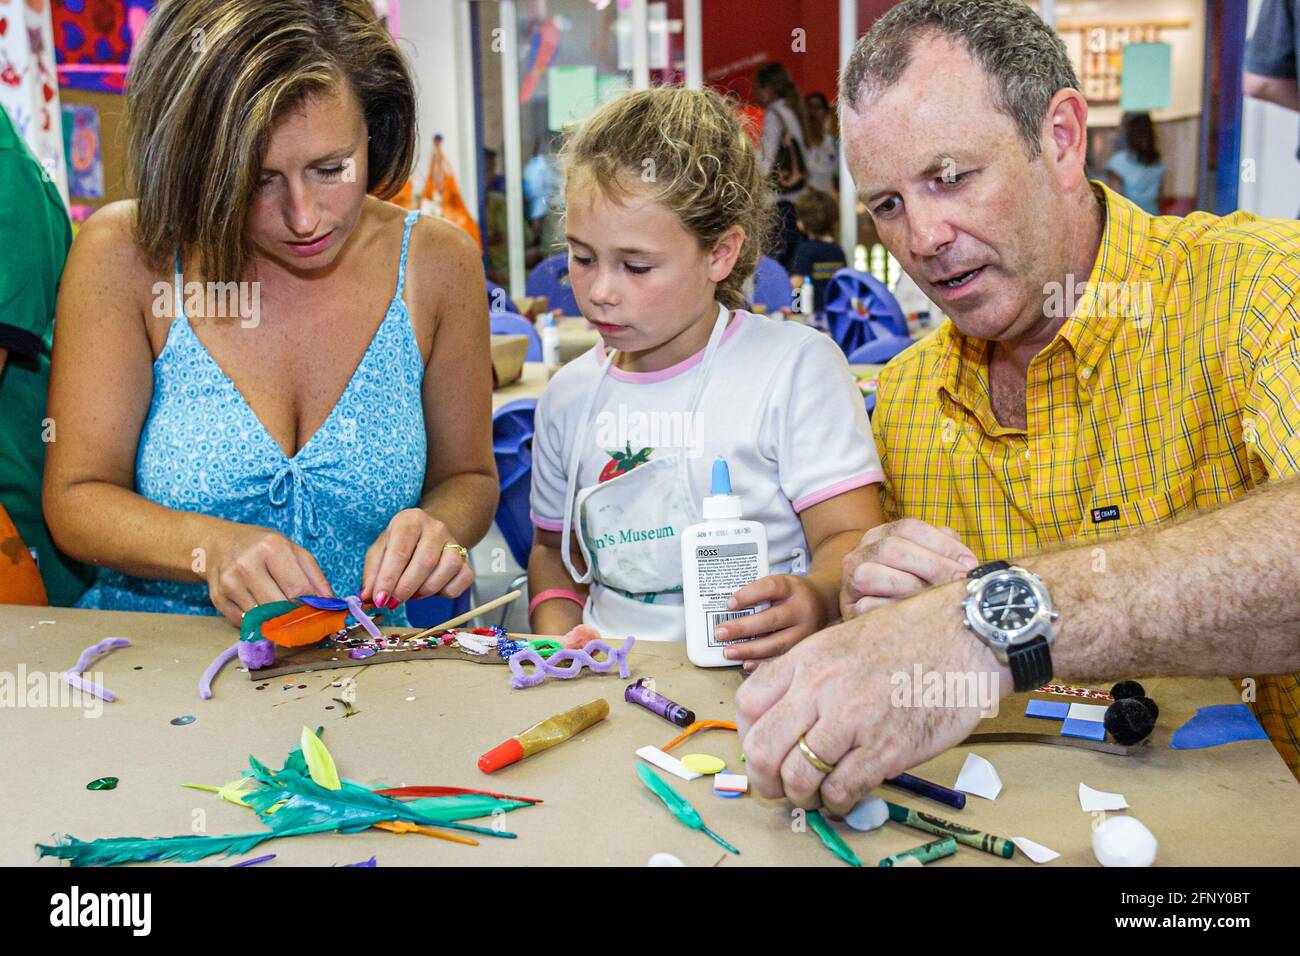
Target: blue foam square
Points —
{"points": [[1087, 729], [1049, 709]]}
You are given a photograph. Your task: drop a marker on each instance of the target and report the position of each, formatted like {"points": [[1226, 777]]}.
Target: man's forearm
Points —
{"points": [[1283, 92], [1215, 595]]}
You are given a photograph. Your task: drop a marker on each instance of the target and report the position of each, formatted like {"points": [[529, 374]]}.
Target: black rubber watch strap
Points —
{"points": [[1031, 664], [988, 567]]}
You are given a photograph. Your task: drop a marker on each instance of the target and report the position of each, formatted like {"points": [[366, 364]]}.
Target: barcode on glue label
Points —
{"points": [[714, 618]]}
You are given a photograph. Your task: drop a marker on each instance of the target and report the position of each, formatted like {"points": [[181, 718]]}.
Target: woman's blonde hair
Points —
{"points": [[207, 84], [686, 150]]}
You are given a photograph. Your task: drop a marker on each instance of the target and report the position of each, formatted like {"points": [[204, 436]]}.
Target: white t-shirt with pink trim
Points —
{"points": [[780, 405]]}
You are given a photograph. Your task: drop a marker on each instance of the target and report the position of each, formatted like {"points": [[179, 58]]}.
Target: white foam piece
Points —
{"points": [[1091, 800], [978, 777], [1123, 841], [869, 814], [731, 782], [667, 763], [664, 859], [1093, 712], [1035, 851]]}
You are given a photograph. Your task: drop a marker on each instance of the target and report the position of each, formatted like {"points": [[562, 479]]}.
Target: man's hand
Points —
{"points": [[899, 559], [796, 611], [837, 690]]}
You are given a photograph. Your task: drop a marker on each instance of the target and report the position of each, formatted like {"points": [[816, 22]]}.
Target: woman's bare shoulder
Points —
{"points": [[106, 245]]}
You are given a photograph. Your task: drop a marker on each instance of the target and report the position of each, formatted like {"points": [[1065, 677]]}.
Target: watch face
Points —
{"points": [[1008, 604]]}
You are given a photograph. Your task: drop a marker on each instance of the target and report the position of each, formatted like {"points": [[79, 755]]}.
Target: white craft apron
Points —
{"points": [[630, 527]]}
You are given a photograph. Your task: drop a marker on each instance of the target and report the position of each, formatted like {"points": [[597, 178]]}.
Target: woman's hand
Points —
{"points": [[415, 557], [796, 611], [248, 565]]}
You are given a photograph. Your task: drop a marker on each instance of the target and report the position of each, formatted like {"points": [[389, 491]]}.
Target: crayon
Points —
{"points": [[925, 788], [998, 846], [926, 853]]}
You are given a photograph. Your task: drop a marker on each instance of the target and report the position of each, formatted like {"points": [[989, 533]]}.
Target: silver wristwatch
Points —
{"points": [[1009, 609]]}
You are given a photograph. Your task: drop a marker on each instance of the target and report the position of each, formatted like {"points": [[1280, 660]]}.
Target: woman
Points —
{"points": [[823, 148], [784, 151], [1136, 170], [267, 383]]}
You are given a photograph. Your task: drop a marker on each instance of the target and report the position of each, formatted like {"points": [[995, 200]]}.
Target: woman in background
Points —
{"points": [[1136, 170], [823, 147], [784, 152]]}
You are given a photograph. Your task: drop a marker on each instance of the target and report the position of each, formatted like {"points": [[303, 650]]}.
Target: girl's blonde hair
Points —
{"points": [[208, 82], [686, 150]]}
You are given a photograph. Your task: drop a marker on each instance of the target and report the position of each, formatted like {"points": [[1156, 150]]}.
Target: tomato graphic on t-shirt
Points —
{"points": [[621, 462]]}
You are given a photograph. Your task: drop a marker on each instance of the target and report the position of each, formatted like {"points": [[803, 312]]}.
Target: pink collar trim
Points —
{"points": [[738, 318]]}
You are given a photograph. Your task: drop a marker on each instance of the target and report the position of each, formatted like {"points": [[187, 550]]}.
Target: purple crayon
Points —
{"points": [[641, 693]]}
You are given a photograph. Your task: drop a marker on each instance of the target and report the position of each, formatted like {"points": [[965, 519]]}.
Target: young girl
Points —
{"points": [[665, 206]]}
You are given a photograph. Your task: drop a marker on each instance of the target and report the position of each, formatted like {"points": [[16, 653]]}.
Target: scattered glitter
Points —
{"points": [[182, 721]]}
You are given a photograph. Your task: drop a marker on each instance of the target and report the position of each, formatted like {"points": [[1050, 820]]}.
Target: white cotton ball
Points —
{"points": [[1123, 841], [664, 859], [868, 815]]}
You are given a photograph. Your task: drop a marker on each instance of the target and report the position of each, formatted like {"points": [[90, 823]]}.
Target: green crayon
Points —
{"points": [[926, 853], [998, 846]]}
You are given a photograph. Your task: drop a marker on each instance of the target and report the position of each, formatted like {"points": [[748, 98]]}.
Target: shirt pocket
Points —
{"points": [[1200, 489]]}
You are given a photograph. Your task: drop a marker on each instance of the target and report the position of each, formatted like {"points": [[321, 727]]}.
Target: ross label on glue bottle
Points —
{"points": [[720, 555]]}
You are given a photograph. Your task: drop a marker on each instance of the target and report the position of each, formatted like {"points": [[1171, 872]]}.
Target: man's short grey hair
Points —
{"points": [[1025, 60]]}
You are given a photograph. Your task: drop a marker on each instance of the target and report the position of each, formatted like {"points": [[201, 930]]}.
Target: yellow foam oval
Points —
{"points": [[704, 763]]}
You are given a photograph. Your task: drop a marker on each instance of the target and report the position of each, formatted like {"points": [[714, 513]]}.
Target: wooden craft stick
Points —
{"points": [[468, 615], [1100, 746]]}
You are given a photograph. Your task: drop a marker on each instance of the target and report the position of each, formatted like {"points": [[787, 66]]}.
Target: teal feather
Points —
{"points": [[464, 806]]}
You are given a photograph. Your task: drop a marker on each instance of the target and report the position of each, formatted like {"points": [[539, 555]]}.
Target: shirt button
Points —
{"points": [[1086, 372], [1026, 454]]}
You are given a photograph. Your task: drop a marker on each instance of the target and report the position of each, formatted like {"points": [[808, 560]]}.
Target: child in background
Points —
{"points": [[818, 256], [1136, 170], [665, 205]]}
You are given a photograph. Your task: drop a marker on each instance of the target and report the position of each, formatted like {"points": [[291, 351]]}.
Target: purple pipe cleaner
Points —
{"points": [[354, 605], [205, 682], [256, 655], [72, 675], [576, 658]]}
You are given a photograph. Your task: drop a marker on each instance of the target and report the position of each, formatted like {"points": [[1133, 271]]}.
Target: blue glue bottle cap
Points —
{"points": [[721, 504]]}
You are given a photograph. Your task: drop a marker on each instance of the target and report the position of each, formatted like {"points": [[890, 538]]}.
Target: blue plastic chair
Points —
{"points": [[550, 278], [512, 438], [772, 285], [499, 299], [881, 348], [853, 298], [507, 323]]}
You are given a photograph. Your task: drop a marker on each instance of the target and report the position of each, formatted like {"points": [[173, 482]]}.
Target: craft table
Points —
{"points": [[529, 385], [1231, 805]]}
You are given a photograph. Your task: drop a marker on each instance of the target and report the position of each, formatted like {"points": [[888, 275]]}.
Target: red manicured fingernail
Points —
{"points": [[381, 599], [393, 603]]}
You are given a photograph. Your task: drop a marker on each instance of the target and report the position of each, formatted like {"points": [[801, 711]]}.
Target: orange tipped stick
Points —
{"points": [[697, 726]]}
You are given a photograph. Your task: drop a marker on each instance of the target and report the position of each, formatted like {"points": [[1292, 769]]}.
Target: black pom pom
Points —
{"points": [[1151, 706], [1127, 688], [1129, 720]]}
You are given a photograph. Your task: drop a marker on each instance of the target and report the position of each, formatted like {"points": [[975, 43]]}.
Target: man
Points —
{"points": [[35, 235], [1045, 416], [1270, 69]]}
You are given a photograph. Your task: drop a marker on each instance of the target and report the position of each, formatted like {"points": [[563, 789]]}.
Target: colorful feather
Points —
{"points": [[320, 765], [678, 806], [833, 841]]}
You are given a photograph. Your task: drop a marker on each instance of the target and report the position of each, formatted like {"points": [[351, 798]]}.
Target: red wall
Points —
{"points": [[742, 35]]}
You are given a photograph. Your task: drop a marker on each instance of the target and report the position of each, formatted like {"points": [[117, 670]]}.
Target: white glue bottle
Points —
{"points": [[720, 555]]}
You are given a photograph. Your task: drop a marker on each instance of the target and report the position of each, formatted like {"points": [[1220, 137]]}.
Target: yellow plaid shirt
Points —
{"points": [[1173, 386]]}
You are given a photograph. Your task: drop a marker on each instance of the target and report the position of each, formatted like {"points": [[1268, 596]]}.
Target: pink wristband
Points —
{"points": [[553, 593]]}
